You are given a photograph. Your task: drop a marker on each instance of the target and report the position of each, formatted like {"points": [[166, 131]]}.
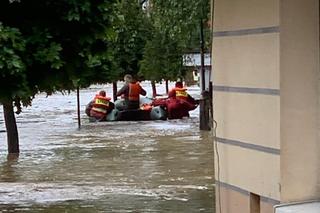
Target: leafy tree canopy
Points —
{"points": [[162, 59], [55, 45], [133, 30], [176, 31], [13, 75], [180, 18]]}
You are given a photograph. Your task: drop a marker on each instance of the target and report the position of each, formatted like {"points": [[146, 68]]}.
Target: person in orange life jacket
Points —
{"points": [[90, 104], [179, 102], [131, 92], [100, 106]]}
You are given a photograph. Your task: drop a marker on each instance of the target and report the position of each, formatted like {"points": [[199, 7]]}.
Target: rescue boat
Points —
{"points": [[146, 112]]}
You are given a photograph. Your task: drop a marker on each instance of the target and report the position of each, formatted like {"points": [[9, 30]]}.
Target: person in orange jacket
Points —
{"points": [[100, 106], [131, 92]]}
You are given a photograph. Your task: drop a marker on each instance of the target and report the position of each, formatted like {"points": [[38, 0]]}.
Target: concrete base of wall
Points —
{"points": [[233, 199]]}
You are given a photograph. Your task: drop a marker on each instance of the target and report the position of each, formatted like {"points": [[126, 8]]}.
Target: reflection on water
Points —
{"points": [[145, 166], [8, 173]]}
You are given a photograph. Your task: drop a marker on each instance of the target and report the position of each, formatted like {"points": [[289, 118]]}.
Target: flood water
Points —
{"points": [[143, 166]]}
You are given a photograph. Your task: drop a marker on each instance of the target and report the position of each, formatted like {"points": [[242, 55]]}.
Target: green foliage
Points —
{"points": [[133, 30], [176, 32], [55, 45], [58, 45], [181, 18], [165, 57], [12, 66]]}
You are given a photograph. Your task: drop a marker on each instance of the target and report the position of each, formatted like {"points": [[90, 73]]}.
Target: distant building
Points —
{"points": [[193, 61]]}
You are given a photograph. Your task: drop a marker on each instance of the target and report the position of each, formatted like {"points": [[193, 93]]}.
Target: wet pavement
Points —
{"points": [[140, 166]]}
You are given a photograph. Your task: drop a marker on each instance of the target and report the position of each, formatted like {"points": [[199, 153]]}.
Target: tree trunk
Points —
{"points": [[205, 123], [11, 126], [154, 89], [167, 86], [114, 86]]}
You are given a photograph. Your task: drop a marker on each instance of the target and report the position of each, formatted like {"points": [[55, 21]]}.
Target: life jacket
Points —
{"points": [[100, 104], [181, 93], [146, 107], [134, 91]]}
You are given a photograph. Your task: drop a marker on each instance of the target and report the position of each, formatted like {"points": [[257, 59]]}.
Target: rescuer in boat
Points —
{"points": [[178, 103], [100, 106], [131, 92]]}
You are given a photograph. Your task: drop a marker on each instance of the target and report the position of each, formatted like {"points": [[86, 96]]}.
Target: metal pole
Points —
{"points": [[114, 90], [204, 103], [202, 73], [78, 107]]}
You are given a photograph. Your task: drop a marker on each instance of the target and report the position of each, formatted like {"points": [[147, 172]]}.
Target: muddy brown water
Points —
{"points": [[143, 166]]}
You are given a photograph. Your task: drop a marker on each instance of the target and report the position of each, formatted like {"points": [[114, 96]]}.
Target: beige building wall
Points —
{"points": [[300, 108], [247, 104], [266, 103]]}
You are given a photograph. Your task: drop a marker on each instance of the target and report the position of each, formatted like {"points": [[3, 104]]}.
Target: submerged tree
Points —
{"points": [[13, 80], [49, 46]]}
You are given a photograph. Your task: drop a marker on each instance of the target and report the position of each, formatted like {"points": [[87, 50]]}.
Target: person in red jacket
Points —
{"points": [[131, 92], [179, 102], [100, 106], [180, 92]]}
